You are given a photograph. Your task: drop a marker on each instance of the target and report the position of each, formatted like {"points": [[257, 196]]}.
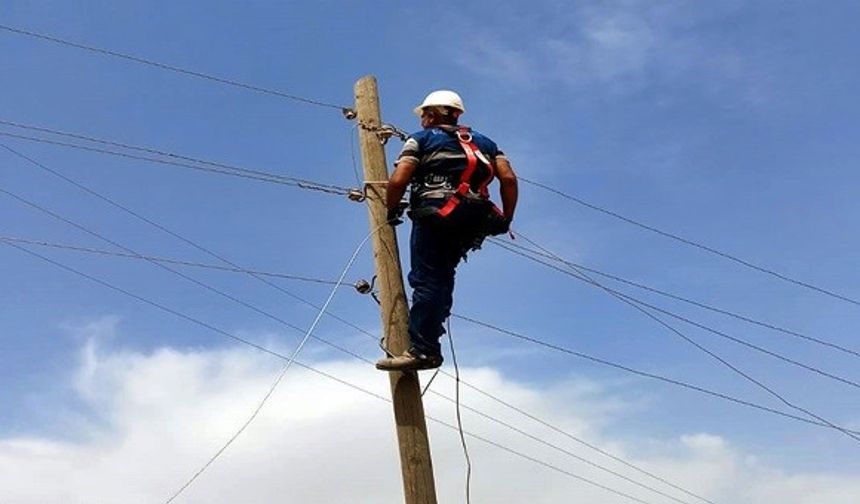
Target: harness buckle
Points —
{"points": [[464, 135]]}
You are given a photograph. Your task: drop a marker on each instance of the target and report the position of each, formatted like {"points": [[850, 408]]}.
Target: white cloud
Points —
{"points": [[616, 47], [318, 441]]}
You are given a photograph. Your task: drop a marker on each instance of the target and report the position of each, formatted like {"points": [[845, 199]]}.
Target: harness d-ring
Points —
{"points": [[464, 135]]}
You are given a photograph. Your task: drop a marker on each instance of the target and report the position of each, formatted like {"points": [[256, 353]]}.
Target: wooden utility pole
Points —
{"points": [[415, 463]]}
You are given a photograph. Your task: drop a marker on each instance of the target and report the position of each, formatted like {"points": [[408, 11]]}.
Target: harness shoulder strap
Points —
{"points": [[473, 155]]}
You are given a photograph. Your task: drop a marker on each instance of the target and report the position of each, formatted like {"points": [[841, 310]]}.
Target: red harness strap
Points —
{"points": [[464, 136]]}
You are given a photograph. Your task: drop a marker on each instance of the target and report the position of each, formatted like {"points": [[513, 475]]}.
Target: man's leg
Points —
{"points": [[433, 259]]}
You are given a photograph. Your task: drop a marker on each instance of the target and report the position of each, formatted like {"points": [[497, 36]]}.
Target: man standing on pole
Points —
{"points": [[448, 167]]}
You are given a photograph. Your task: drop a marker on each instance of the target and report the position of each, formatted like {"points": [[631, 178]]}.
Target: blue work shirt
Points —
{"points": [[441, 160]]}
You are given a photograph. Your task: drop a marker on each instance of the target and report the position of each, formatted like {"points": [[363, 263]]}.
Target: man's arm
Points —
{"points": [[508, 186], [398, 182]]}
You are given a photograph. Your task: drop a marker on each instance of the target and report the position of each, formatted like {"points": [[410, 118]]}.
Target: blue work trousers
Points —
{"points": [[435, 251]]}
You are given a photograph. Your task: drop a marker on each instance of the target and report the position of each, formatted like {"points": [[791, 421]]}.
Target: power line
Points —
{"points": [[180, 262], [337, 347], [314, 370], [232, 171], [459, 416], [280, 376], [585, 278], [649, 375], [167, 154], [683, 299], [704, 327], [172, 68], [581, 441], [686, 241], [558, 449]]}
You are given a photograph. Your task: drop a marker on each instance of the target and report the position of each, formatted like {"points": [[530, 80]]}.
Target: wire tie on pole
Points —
{"points": [[357, 195], [385, 131]]}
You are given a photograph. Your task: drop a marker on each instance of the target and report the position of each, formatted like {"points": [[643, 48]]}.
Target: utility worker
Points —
{"points": [[448, 168]]}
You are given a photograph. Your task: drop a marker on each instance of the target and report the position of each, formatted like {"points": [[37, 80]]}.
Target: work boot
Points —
{"points": [[409, 362]]}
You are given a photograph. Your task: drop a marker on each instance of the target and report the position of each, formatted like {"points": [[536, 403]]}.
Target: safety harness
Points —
{"points": [[464, 190], [473, 155]]}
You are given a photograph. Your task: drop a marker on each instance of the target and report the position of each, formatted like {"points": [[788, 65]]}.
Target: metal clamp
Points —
{"points": [[384, 132], [360, 194], [349, 113]]}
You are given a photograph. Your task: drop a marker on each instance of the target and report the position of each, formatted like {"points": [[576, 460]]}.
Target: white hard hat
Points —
{"points": [[442, 98]]}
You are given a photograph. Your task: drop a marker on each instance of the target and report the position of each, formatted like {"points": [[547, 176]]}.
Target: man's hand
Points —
{"points": [[497, 224], [395, 215]]}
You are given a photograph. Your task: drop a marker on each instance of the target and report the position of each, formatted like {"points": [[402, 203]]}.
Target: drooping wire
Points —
{"points": [[583, 443], [180, 262], [687, 241], [319, 372], [683, 299], [459, 417], [280, 376], [735, 369], [577, 457], [722, 334], [227, 170], [172, 68]]}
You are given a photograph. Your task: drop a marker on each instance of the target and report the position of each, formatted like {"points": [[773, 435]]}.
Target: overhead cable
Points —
{"points": [[576, 439], [172, 68], [649, 375], [559, 449], [724, 362], [227, 170], [683, 299], [180, 262], [686, 320], [687, 241], [167, 154]]}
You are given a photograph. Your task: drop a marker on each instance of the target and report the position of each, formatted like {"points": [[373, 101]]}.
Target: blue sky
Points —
{"points": [[729, 123]]}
